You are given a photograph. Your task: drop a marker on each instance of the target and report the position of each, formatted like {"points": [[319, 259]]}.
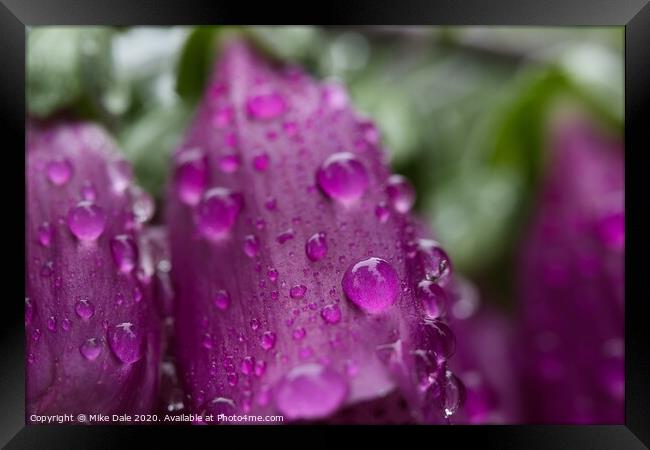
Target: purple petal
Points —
{"points": [[92, 330], [322, 311], [571, 283]]}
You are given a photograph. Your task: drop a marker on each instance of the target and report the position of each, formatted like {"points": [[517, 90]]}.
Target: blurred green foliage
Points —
{"points": [[463, 110]]}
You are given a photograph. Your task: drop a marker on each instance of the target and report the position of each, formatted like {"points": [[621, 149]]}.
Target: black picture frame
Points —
{"points": [[634, 15]]}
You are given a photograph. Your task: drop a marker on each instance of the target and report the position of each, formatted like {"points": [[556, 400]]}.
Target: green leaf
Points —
{"points": [[68, 67], [195, 63], [149, 141]]}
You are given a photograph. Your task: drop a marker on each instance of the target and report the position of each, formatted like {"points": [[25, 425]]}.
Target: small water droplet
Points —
{"points": [[401, 194], [229, 163], [88, 191], [372, 284], [331, 313], [297, 291], [310, 391], [137, 294], [191, 176], [86, 221], [59, 171], [285, 236], [266, 106], [299, 333], [121, 174], [91, 349], [435, 336], [382, 212], [316, 247], [217, 213], [124, 252], [84, 309], [51, 323], [125, 342], [222, 299], [343, 177], [261, 162], [267, 340], [29, 312], [144, 206], [45, 234], [270, 203], [432, 261], [272, 274], [251, 246], [433, 299]]}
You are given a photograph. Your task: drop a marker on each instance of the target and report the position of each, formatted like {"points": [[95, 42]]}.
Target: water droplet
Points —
{"points": [[433, 299], [137, 294], [144, 206], [91, 349], [232, 379], [125, 342], [247, 365], [285, 236], [316, 247], [342, 177], [229, 163], [223, 117], [88, 191], [450, 397], [84, 309], [268, 340], [382, 212], [266, 106], [59, 171], [331, 313], [299, 333], [51, 323], [298, 291], [191, 176], [66, 324], [217, 212], [401, 194], [261, 162], [273, 275], [45, 234], [124, 252], [29, 312], [260, 368], [310, 391], [121, 174], [222, 299], [432, 261], [435, 336], [372, 284], [251, 246], [270, 203], [86, 221], [46, 270]]}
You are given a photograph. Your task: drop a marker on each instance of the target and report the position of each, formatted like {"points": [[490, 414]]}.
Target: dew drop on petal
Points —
{"points": [[400, 193], [121, 174], [29, 312], [45, 234], [84, 309], [433, 299], [229, 163], [86, 221], [331, 313], [310, 391], [372, 284], [251, 246], [125, 342], [261, 162], [222, 299], [88, 191], [91, 349], [316, 247], [265, 106], [191, 176], [343, 177], [272, 274], [382, 212], [59, 171], [435, 336], [216, 213], [298, 291], [124, 252], [267, 340]]}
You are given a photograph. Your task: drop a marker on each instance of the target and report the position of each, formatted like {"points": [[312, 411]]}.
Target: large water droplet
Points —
{"points": [[268, 340], [401, 194], [191, 176], [125, 342], [251, 246], [222, 299], [59, 171], [435, 336], [124, 252], [247, 365], [91, 349], [217, 212], [432, 261], [84, 309], [331, 313], [343, 177], [86, 221], [45, 234], [372, 284], [433, 299], [266, 106], [298, 291], [310, 391], [51, 323], [316, 247]]}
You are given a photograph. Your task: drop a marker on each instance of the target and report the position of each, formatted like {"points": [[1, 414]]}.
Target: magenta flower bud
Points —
{"points": [[572, 281], [293, 296], [91, 326]]}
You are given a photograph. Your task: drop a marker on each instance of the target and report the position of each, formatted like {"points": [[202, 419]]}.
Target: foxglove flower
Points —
{"points": [[572, 283], [92, 329], [304, 285]]}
